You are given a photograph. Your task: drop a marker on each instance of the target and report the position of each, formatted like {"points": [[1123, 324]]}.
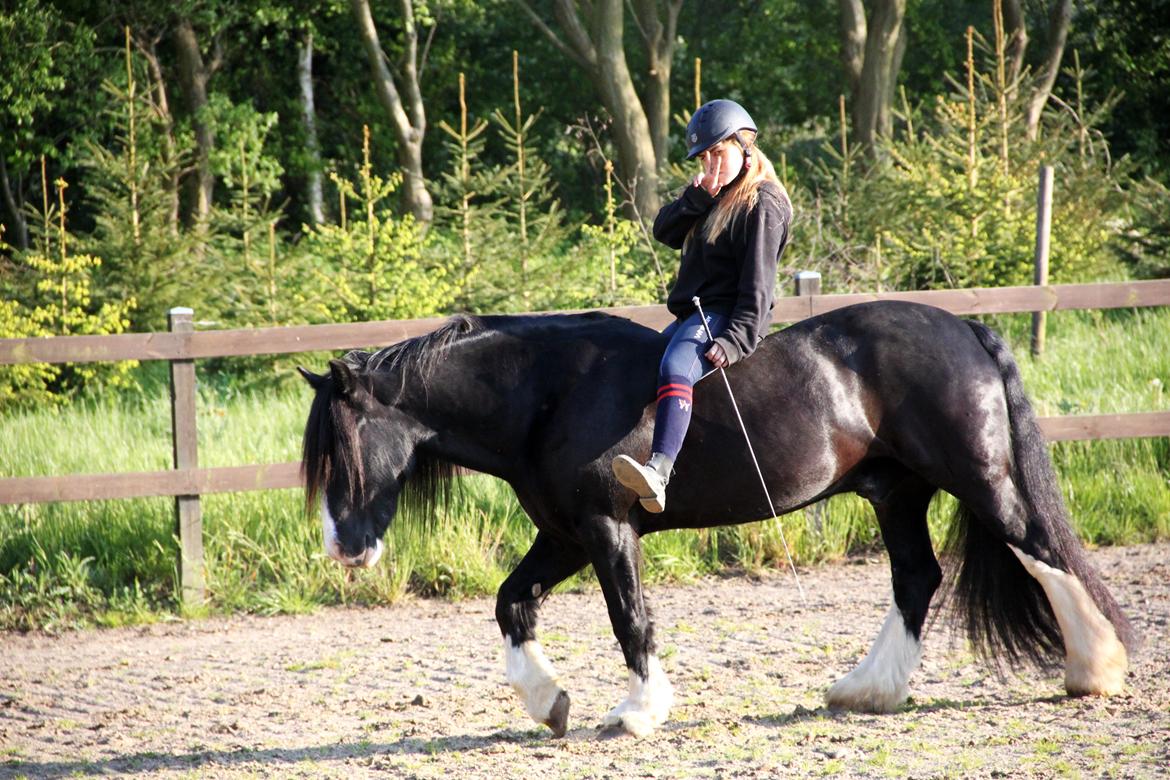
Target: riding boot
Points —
{"points": [[648, 481]]}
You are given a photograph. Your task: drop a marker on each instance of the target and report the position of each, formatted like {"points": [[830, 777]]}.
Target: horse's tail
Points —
{"points": [[1006, 611]]}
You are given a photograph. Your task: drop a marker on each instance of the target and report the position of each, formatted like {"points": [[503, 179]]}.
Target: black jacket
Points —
{"points": [[736, 274]]}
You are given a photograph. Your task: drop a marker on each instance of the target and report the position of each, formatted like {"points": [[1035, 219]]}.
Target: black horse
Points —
{"points": [[893, 401]]}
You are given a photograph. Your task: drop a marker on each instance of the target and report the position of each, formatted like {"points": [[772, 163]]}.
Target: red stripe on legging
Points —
{"points": [[674, 393]]}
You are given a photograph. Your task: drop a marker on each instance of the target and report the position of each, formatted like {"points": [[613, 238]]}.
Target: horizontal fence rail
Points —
{"points": [[314, 338], [276, 476]]}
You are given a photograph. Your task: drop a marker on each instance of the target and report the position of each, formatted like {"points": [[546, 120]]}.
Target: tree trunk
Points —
{"points": [[1015, 31], [193, 76], [853, 30], [659, 40], [409, 120], [1059, 20], [871, 111], [13, 202], [599, 49], [612, 80], [313, 185], [162, 110]]}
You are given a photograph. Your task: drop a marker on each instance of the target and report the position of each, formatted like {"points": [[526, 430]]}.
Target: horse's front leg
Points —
{"points": [[616, 553], [548, 562]]}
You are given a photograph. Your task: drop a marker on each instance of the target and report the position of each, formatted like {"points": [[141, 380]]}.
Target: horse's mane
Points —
{"points": [[331, 444]]}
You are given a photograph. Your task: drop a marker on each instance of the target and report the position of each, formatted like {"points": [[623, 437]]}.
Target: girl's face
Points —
{"points": [[725, 159]]}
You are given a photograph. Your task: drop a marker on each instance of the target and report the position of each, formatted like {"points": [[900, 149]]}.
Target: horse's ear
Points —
{"points": [[344, 378], [315, 380]]}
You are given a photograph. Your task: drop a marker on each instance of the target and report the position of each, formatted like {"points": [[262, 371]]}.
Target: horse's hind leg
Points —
{"points": [[617, 557], [879, 683], [1052, 597], [548, 562]]}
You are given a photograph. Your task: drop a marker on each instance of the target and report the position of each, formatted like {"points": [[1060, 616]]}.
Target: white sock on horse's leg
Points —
{"points": [[648, 705], [532, 676], [880, 681], [1095, 659]]}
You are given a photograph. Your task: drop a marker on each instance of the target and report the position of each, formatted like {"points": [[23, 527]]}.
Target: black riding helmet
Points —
{"points": [[715, 121]]}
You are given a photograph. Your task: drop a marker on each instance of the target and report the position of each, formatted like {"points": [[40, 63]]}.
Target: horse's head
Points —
{"points": [[358, 449]]}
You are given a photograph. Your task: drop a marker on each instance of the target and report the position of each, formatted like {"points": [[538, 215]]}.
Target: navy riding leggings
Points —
{"points": [[683, 364]]}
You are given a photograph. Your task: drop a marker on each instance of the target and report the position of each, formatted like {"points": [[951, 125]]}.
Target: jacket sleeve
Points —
{"points": [[767, 234], [676, 219]]}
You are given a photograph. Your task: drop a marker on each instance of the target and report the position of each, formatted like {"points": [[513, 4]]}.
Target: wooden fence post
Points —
{"points": [[806, 283], [1043, 228], [809, 283], [188, 514]]}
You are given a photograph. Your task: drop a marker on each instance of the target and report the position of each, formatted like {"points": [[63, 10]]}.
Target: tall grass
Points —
{"points": [[114, 561]]}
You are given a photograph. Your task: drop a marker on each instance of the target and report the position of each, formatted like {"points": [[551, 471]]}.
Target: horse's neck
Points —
{"points": [[479, 404]]}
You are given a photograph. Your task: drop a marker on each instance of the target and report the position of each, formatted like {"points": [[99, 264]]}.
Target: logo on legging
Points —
{"points": [[684, 404]]}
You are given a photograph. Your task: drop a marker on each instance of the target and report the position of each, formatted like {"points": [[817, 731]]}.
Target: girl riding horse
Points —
{"points": [[731, 224]]}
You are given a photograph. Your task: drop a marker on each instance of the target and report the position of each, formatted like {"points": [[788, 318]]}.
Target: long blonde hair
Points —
{"points": [[742, 196]]}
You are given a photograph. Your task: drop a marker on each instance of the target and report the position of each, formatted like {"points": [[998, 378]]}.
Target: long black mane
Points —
{"points": [[331, 445]]}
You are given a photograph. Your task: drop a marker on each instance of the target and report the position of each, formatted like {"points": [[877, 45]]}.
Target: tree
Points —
{"points": [[313, 189], [1059, 20], [408, 119], [872, 53], [594, 39], [42, 54], [193, 76], [1125, 44]]}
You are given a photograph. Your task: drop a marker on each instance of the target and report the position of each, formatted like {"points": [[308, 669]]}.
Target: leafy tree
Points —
{"points": [[474, 217], [42, 53], [531, 207], [953, 204], [593, 38], [374, 266], [1126, 45], [129, 190], [48, 292]]}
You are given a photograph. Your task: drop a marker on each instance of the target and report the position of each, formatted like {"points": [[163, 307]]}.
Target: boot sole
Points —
{"points": [[628, 473]]}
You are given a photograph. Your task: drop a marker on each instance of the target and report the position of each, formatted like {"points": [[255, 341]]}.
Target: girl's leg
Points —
{"points": [[683, 364]]}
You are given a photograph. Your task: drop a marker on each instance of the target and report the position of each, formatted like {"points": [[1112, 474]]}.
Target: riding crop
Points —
{"points": [[752, 452]]}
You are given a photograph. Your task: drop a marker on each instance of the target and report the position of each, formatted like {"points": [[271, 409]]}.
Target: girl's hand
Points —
{"points": [[717, 356], [708, 179]]}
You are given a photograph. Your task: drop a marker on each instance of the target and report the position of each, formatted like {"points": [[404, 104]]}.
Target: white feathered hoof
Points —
{"points": [[648, 705], [854, 692], [880, 683], [1095, 660]]}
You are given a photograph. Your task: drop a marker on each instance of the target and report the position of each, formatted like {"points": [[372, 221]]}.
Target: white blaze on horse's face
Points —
{"points": [[333, 549]]}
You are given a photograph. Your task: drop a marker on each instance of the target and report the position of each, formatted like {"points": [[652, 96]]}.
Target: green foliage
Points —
{"points": [[612, 267], [1124, 43], [374, 267], [950, 201], [258, 279], [531, 208], [132, 190], [42, 54], [48, 292], [473, 217], [1144, 242]]}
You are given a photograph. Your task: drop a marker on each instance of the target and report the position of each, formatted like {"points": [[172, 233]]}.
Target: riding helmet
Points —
{"points": [[713, 122]]}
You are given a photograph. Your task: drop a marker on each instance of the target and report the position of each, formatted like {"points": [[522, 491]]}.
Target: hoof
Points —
{"points": [[636, 724], [558, 716]]}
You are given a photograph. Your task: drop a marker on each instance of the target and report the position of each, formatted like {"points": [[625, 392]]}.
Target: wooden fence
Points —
{"points": [[182, 345]]}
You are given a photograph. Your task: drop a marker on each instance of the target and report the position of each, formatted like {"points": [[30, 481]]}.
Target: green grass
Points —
{"points": [[113, 562]]}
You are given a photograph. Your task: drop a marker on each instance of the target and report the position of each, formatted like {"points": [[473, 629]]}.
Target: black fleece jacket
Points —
{"points": [[737, 273]]}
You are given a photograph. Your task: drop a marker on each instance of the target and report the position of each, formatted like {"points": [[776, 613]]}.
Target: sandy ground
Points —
{"points": [[417, 690]]}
